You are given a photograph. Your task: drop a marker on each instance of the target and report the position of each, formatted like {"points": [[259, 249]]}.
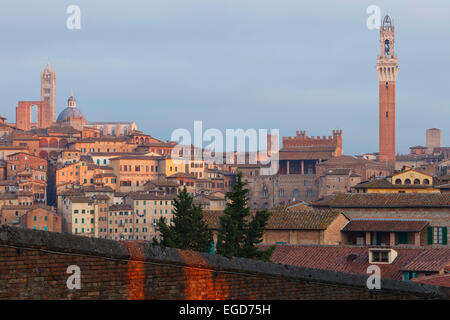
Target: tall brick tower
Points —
{"points": [[48, 89], [387, 67]]}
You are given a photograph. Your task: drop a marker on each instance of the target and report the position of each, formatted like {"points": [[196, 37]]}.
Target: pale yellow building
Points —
{"points": [[409, 181], [133, 172], [84, 215]]}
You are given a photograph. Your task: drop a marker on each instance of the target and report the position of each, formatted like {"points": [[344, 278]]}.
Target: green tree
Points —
{"points": [[239, 233], [189, 230]]}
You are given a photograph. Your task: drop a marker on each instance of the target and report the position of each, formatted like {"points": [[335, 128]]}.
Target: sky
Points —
{"points": [[264, 64]]}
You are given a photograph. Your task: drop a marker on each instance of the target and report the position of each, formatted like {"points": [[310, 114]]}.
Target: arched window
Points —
{"points": [[53, 143], [416, 181], [43, 143], [398, 181], [281, 192], [426, 181], [62, 143], [407, 181]]}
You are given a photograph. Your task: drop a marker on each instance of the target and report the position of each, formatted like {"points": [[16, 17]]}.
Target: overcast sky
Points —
{"points": [[285, 64]]}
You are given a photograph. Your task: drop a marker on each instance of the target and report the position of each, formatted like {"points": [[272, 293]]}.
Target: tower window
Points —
{"points": [[387, 85], [387, 114]]}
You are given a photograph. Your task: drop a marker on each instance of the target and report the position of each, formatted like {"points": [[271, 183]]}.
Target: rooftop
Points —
{"points": [[385, 225], [355, 259], [387, 200]]}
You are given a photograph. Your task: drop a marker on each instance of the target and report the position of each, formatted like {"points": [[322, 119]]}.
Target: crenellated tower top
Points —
{"points": [[387, 61]]}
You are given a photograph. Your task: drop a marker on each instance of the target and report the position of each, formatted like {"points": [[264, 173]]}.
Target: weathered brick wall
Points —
{"points": [[33, 265]]}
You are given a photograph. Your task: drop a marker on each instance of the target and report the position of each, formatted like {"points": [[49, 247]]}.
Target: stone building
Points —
{"points": [[340, 174], [337, 181], [295, 227], [434, 207], [297, 175], [433, 139], [83, 215], [41, 218]]}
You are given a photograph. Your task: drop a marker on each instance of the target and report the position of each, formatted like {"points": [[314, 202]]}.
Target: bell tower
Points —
{"points": [[387, 67], [48, 89]]}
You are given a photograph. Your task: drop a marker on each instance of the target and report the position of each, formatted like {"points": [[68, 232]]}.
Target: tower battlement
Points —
{"points": [[302, 140]]}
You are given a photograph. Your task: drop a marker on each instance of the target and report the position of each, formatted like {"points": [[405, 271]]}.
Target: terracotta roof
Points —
{"points": [[354, 174], [386, 225], [161, 183], [100, 197], [338, 172], [63, 129], [120, 194], [102, 175], [390, 200], [348, 259], [410, 157], [79, 199], [433, 260], [302, 220], [8, 196], [27, 207], [442, 280], [98, 189], [385, 184], [8, 182], [136, 157], [70, 192], [9, 147], [181, 175], [114, 154], [343, 159], [376, 183], [286, 220], [148, 196]]}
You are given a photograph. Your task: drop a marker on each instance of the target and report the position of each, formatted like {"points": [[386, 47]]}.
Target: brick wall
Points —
{"points": [[33, 264]]}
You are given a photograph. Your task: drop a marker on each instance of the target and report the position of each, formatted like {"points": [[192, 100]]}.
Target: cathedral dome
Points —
{"points": [[70, 112]]}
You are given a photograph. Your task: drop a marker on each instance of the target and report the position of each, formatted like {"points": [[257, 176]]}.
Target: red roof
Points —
{"points": [[430, 260], [352, 259], [390, 200], [386, 225], [442, 280]]}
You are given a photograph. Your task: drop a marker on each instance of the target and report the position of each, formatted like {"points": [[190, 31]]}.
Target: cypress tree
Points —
{"points": [[189, 230], [239, 233]]}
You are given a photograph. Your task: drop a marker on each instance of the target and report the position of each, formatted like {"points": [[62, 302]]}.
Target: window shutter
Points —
{"points": [[444, 235], [430, 235]]}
